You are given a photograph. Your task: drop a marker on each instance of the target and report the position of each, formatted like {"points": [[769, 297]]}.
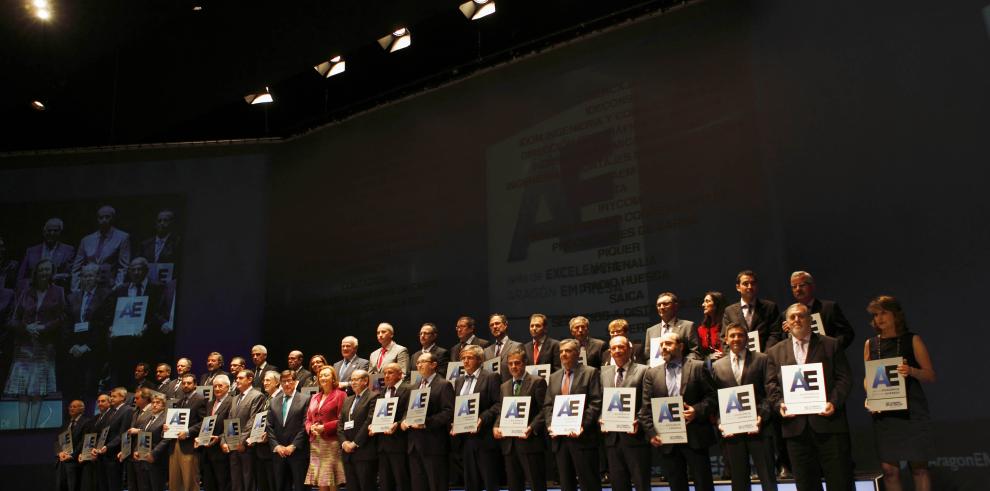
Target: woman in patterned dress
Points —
{"points": [[38, 315], [326, 469]]}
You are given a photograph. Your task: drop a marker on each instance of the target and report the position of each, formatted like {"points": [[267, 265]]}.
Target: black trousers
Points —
{"points": [[110, 473], [393, 471], [428, 472], [151, 476], [360, 475], [675, 466], [814, 453], [576, 459], [480, 465], [629, 465], [215, 470], [290, 473], [523, 467], [67, 476], [739, 449]]}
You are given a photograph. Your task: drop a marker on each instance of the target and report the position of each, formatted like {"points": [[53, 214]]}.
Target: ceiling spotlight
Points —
{"points": [[330, 68], [41, 4], [399, 39], [197, 7], [259, 98], [38, 105], [43, 14], [476, 9]]}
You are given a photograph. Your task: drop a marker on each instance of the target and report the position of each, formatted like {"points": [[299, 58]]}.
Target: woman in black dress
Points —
{"points": [[901, 435]]}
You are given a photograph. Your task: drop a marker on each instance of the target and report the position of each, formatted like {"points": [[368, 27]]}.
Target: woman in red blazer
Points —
{"points": [[326, 469]]}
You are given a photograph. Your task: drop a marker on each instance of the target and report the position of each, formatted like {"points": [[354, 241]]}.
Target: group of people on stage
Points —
{"points": [[325, 439], [58, 303]]}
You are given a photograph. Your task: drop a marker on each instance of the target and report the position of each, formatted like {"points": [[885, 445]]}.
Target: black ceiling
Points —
{"points": [[115, 72]]}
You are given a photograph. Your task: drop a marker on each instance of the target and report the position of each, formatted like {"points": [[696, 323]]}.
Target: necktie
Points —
{"points": [[467, 385], [619, 377], [516, 386], [350, 413], [216, 404], [748, 313], [85, 304], [381, 358], [565, 388], [801, 351], [422, 384], [72, 425], [498, 348], [737, 368], [536, 351], [138, 288], [285, 407], [391, 391], [99, 248], [673, 380]]}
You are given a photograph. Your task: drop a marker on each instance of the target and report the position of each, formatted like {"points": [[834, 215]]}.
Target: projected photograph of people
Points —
{"points": [[87, 295]]}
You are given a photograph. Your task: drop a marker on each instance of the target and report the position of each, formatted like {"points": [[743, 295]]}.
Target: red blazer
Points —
{"points": [[325, 409]]}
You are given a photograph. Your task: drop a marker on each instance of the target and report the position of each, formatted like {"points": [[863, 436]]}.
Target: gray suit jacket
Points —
{"points": [[585, 380], [633, 377], [113, 256], [698, 391], [396, 354], [685, 329], [251, 403], [508, 345], [344, 374]]}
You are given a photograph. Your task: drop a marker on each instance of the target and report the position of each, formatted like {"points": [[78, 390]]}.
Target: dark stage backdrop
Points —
{"points": [[846, 139]]}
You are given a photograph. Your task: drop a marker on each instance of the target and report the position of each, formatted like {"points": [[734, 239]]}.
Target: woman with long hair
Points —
{"points": [[710, 328], [326, 469], [902, 435], [38, 315]]}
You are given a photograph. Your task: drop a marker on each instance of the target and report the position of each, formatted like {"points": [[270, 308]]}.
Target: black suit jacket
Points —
{"points": [[291, 430], [207, 378], [259, 375], [361, 415], [82, 427], [698, 391], [157, 312], [503, 356], [757, 370], [549, 353], [97, 314], [214, 452], [766, 320], [439, 354], [455, 350], [487, 386], [536, 388], [170, 251], [585, 380], [836, 324], [632, 377], [159, 445], [435, 439], [838, 381], [119, 423], [396, 442], [197, 409]]}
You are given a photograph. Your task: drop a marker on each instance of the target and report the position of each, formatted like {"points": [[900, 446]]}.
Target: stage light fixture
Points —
{"points": [[476, 9], [40, 4], [334, 66], [399, 39], [43, 14], [38, 105], [260, 98]]}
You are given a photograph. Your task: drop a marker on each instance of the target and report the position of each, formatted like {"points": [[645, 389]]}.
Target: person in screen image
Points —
{"points": [[901, 435], [35, 323]]}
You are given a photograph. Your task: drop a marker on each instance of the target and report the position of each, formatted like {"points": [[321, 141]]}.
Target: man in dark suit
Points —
{"points": [[667, 306], [523, 456], [628, 454], [428, 344], [142, 380], [264, 469], [593, 350], [126, 350], [163, 247], [360, 451], [51, 247], [109, 248], [742, 367], [679, 375], [259, 356], [577, 452], [620, 327], [117, 421], [465, 328], [183, 462], [816, 443], [67, 469], [90, 469], [392, 469], [835, 323], [151, 472], [755, 313], [139, 417], [287, 435], [213, 462], [85, 335], [541, 349], [247, 402], [499, 326], [478, 450], [295, 363], [214, 367], [430, 442], [349, 362], [166, 384]]}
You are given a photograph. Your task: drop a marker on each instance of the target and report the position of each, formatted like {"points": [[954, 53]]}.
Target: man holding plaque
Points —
{"points": [[213, 462], [478, 448], [85, 339], [125, 350], [576, 453], [287, 434], [667, 307], [523, 455], [183, 462], [392, 444], [244, 406], [67, 468], [89, 463], [429, 443], [816, 443], [743, 367], [628, 453], [140, 416], [688, 378], [499, 326], [360, 451], [116, 424]]}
